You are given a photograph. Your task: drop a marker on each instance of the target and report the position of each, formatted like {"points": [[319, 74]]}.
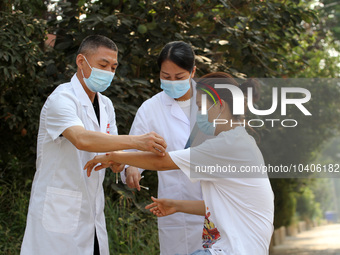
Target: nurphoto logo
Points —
{"points": [[239, 105]]}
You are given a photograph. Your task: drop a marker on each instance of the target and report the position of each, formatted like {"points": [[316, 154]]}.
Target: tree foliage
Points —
{"points": [[23, 88]]}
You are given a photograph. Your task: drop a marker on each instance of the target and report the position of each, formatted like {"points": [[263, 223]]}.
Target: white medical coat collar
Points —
{"points": [[85, 101], [176, 110]]}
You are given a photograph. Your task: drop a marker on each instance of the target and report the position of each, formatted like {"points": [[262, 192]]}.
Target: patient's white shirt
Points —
{"points": [[239, 210]]}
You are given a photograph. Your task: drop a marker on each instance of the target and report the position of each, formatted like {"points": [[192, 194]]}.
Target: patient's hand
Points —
{"points": [[162, 206], [104, 161]]}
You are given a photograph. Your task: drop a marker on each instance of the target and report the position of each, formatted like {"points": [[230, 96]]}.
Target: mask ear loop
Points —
{"points": [[82, 74], [190, 83], [211, 106], [87, 61], [219, 113], [88, 64]]}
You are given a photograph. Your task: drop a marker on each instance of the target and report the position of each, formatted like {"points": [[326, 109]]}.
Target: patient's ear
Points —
{"points": [[224, 105]]}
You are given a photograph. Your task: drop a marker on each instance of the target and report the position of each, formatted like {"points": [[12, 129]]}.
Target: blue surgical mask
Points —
{"points": [[203, 123], [175, 89], [99, 80]]}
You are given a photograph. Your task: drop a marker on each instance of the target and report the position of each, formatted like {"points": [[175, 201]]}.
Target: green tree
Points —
{"points": [[330, 11], [23, 89], [306, 207]]}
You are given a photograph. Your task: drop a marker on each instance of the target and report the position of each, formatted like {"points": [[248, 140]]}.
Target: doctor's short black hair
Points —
{"points": [[178, 52], [93, 42]]}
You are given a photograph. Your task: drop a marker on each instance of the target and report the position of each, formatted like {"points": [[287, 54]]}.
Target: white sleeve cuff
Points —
{"points": [[123, 173]]}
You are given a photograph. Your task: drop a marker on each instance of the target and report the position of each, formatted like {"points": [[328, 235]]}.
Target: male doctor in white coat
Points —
{"points": [[66, 210]]}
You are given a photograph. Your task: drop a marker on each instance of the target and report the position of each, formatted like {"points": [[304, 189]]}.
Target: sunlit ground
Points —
{"points": [[323, 240]]}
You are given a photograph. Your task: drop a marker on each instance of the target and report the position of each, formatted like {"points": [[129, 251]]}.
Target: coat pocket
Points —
{"points": [[61, 210]]}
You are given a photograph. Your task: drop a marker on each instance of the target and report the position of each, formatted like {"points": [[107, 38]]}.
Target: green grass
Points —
{"points": [[131, 229], [14, 201]]}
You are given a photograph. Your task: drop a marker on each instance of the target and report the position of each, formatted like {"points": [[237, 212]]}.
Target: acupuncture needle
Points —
{"points": [[147, 188]]}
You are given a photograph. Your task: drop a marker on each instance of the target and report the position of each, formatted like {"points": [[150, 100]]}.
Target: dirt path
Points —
{"points": [[324, 240]]}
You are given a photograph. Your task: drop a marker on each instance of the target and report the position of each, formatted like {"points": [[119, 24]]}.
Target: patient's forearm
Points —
{"points": [[145, 160], [190, 206]]}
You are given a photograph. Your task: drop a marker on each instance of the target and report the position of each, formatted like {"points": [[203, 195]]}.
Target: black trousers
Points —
{"points": [[96, 245]]}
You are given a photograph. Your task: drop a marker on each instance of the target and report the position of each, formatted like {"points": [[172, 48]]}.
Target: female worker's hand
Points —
{"points": [[133, 177], [162, 206], [151, 142], [104, 161]]}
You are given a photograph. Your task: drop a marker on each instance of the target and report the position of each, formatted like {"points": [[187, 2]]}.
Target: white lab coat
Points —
{"points": [[179, 233], [66, 206]]}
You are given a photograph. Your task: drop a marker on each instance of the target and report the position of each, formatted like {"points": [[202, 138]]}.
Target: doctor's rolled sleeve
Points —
{"points": [[60, 113]]}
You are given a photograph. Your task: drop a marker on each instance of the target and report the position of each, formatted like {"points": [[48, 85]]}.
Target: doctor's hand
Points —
{"points": [[162, 206], [133, 177], [104, 161], [151, 142]]}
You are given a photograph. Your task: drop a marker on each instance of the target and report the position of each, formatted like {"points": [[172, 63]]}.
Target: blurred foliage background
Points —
{"points": [[246, 38]]}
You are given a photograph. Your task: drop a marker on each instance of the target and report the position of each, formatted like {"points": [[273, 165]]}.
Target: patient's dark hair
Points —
{"points": [[224, 78]]}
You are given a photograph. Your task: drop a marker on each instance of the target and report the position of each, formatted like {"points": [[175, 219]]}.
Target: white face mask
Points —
{"points": [[176, 89], [99, 80]]}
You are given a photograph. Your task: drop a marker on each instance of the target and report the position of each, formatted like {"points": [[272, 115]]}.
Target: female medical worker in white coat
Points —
{"points": [[169, 113], [238, 205]]}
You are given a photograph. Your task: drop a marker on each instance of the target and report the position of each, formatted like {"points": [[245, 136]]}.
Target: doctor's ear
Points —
{"points": [[80, 61]]}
